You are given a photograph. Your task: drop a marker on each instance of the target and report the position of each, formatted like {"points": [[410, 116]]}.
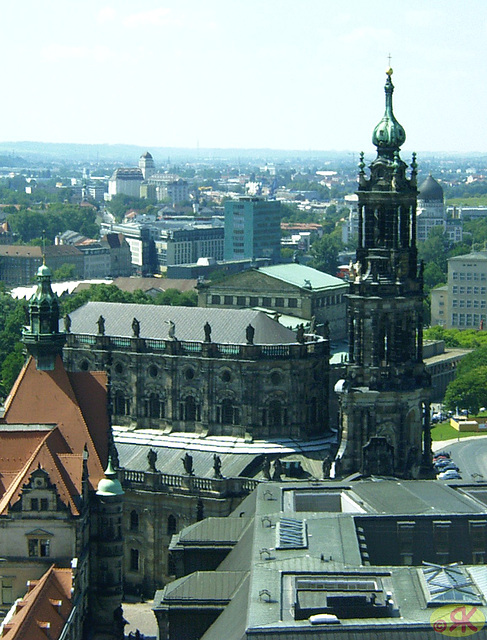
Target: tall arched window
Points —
{"points": [[154, 406], [134, 520], [227, 411], [119, 403], [190, 408], [275, 414], [171, 525], [134, 559]]}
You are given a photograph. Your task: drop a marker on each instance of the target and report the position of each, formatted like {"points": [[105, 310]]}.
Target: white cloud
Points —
{"points": [[59, 52], [159, 17]]}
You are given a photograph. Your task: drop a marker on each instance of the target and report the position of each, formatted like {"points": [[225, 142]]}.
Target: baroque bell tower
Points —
{"points": [[384, 399]]}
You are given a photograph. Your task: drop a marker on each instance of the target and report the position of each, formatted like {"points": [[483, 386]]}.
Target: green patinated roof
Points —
{"points": [[298, 274]]}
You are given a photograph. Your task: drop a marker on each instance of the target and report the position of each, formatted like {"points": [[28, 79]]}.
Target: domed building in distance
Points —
{"points": [[431, 212]]}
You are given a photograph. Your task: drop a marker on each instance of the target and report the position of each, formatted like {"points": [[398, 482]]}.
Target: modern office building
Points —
{"points": [[466, 296], [252, 228]]}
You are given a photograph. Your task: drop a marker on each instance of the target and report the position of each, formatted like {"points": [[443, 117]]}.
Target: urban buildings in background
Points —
{"points": [[461, 303]]}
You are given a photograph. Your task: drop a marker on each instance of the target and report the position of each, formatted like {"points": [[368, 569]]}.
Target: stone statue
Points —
{"points": [[152, 459], [171, 332], [277, 469], [217, 466], [207, 329], [326, 329], [188, 464], [312, 325], [266, 468], [326, 466], [67, 323], [101, 326], [135, 328], [300, 334], [249, 334]]}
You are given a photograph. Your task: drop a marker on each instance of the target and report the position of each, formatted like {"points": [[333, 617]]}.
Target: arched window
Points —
{"points": [[275, 414], [134, 520], [190, 408], [171, 566], [134, 559], [154, 406], [171, 525], [119, 403], [227, 411]]}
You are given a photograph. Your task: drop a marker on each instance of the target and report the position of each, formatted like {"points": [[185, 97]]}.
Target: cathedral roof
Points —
{"points": [[430, 189], [228, 325]]}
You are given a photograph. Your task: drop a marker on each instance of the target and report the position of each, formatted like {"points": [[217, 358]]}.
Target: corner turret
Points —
{"points": [[42, 337]]}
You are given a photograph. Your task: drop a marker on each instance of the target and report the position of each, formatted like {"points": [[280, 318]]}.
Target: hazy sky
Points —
{"points": [[302, 74]]}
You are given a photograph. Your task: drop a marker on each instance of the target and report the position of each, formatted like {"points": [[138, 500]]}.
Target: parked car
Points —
{"points": [[448, 467], [441, 454], [450, 474], [443, 465]]}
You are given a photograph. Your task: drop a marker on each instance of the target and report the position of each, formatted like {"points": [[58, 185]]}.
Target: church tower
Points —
{"points": [[384, 399]]}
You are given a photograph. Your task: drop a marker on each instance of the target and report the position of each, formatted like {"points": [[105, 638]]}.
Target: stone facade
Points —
{"points": [[240, 390], [385, 395]]}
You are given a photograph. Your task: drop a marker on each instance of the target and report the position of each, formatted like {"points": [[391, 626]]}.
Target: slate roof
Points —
{"points": [[228, 325], [262, 605]]}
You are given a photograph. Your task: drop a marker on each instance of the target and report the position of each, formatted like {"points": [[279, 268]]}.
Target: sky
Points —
{"points": [[302, 74]]}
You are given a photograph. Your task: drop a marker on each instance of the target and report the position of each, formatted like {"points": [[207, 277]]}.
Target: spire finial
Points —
{"points": [[389, 68]]}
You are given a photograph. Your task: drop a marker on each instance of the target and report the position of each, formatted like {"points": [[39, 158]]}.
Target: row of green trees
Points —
{"points": [[469, 389]]}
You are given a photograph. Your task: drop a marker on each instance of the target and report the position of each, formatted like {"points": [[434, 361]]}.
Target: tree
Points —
{"points": [[65, 272], [324, 254], [468, 391]]}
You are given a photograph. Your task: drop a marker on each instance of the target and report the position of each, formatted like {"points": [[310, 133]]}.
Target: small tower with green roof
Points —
{"points": [[42, 337]]}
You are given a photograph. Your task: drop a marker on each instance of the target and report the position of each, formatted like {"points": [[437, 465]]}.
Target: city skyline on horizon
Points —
{"points": [[180, 75]]}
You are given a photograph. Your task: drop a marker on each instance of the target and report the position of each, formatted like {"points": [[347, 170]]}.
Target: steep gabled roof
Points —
{"points": [[44, 610], [52, 454], [75, 402]]}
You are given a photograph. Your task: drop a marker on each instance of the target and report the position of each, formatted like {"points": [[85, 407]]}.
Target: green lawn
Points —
{"points": [[444, 431]]}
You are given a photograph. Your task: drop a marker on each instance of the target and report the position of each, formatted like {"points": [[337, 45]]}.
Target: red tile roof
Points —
{"points": [[76, 403], [43, 611]]}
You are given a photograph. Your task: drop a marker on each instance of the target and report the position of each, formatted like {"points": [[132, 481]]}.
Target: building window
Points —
{"points": [[34, 504], [44, 504], [279, 302], [241, 301], [267, 302], [39, 547], [228, 300], [134, 520], [171, 525], [134, 559], [254, 302], [215, 300], [292, 303]]}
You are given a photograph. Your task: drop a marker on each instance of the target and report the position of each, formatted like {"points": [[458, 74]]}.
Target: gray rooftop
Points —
{"points": [[228, 325]]}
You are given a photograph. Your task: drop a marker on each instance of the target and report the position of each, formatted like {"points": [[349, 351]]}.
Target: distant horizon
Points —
{"points": [[238, 75], [140, 148]]}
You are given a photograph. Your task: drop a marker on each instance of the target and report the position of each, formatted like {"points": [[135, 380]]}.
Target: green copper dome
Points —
{"points": [[389, 134], [109, 485]]}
